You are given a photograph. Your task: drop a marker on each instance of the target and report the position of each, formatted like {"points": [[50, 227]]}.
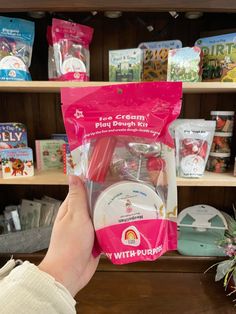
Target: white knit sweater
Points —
{"points": [[27, 290]]}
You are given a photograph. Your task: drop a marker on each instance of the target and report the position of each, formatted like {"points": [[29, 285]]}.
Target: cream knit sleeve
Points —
{"points": [[28, 290]]}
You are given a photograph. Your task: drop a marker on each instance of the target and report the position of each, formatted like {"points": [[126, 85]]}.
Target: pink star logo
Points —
{"points": [[78, 114]]}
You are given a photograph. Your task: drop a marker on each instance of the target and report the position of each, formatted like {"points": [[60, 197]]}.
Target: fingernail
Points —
{"points": [[74, 180]]}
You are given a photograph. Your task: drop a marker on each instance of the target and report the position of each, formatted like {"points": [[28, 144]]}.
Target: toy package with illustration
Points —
{"points": [[71, 50], [16, 44], [219, 62], [193, 141], [185, 64], [17, 162], [224, 120], [155, 57], [218, 162], [125, 65], [119, 141]]}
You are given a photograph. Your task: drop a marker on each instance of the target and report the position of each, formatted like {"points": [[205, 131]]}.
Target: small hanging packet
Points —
{"points": [[52, 71], [29, 214], [193, 142], [71, 50], [118, 135], [16, 44]]}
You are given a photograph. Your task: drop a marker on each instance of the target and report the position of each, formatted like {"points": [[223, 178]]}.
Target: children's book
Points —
{"points": [[49, 154], [17, 162], [67, 160]]}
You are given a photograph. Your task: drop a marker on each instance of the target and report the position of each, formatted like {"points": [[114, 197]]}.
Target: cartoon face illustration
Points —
{"points": [[128, 205], [18, 167]]}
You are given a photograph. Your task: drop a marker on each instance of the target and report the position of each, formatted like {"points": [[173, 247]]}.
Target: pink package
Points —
{"points": [[119, 140], [52, 71], [71, 50]]}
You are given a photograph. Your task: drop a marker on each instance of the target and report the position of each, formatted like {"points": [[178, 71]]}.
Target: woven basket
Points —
{"points": [[27, 241]]}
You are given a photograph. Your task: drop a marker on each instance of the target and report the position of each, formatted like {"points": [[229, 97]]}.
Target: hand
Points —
{"points": [[69, 258]]}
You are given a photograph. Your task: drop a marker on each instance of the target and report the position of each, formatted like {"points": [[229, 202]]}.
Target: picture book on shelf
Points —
{"points": [[13, 135], [17, 162], [49, 154], [60, 136], [67, 160]]}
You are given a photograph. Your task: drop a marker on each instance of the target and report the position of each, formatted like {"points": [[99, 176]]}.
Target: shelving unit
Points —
{"points": [[54, 87], [174, 283], [58, 178], [130, 5]]}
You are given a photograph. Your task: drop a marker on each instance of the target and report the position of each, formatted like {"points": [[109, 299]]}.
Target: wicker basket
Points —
{"points": [[27, 241]]}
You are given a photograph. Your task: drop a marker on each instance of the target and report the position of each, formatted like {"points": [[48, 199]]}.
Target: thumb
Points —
{"points": [[77, 195]]}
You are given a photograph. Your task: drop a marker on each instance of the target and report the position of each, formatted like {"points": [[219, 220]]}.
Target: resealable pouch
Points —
{"points": [[120, 143], [71, 50], [16, 44]]}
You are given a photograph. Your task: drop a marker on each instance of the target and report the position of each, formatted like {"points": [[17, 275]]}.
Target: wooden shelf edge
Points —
{"points": [[210, 179], [131, 5], [169, 262], [54, 87], [50, 177]]}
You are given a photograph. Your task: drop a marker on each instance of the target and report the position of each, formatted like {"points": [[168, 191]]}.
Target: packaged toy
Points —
{"points": [[119, 141], [71, 50], [193, 141], [16, 43]]}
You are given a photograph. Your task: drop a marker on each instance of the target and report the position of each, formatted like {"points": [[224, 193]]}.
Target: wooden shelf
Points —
{"points": [[124, 5], [40, 178], [169, 262], [209, 179], [209, 87], [59, 178], [54, 87]]}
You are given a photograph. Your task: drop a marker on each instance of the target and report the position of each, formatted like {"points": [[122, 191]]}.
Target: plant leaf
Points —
{"points": [[230, 222], [223, 268]]}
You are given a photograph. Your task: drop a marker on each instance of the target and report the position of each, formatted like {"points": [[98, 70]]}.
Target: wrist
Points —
{"points": [[60, 274]]}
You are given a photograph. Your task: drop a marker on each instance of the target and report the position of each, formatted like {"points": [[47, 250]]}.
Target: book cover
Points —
{"points": [[68, 164], [13, 135], [185, 64], [125, 65], [49, 154], [17, 162], [219, 62], [60, 136]]}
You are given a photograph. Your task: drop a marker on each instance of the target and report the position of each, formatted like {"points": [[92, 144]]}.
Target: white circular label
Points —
{"points": [[72, 65], [192, 165], [14, 63], [127, 201]]}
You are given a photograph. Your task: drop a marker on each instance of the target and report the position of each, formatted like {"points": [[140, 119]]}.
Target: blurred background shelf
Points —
{"points": [[54, 87], [57, 177]]}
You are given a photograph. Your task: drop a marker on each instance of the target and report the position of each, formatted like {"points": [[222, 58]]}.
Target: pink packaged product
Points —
{"points": [[71, 50], [52, 71], [120, 143], [193, 142]]}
